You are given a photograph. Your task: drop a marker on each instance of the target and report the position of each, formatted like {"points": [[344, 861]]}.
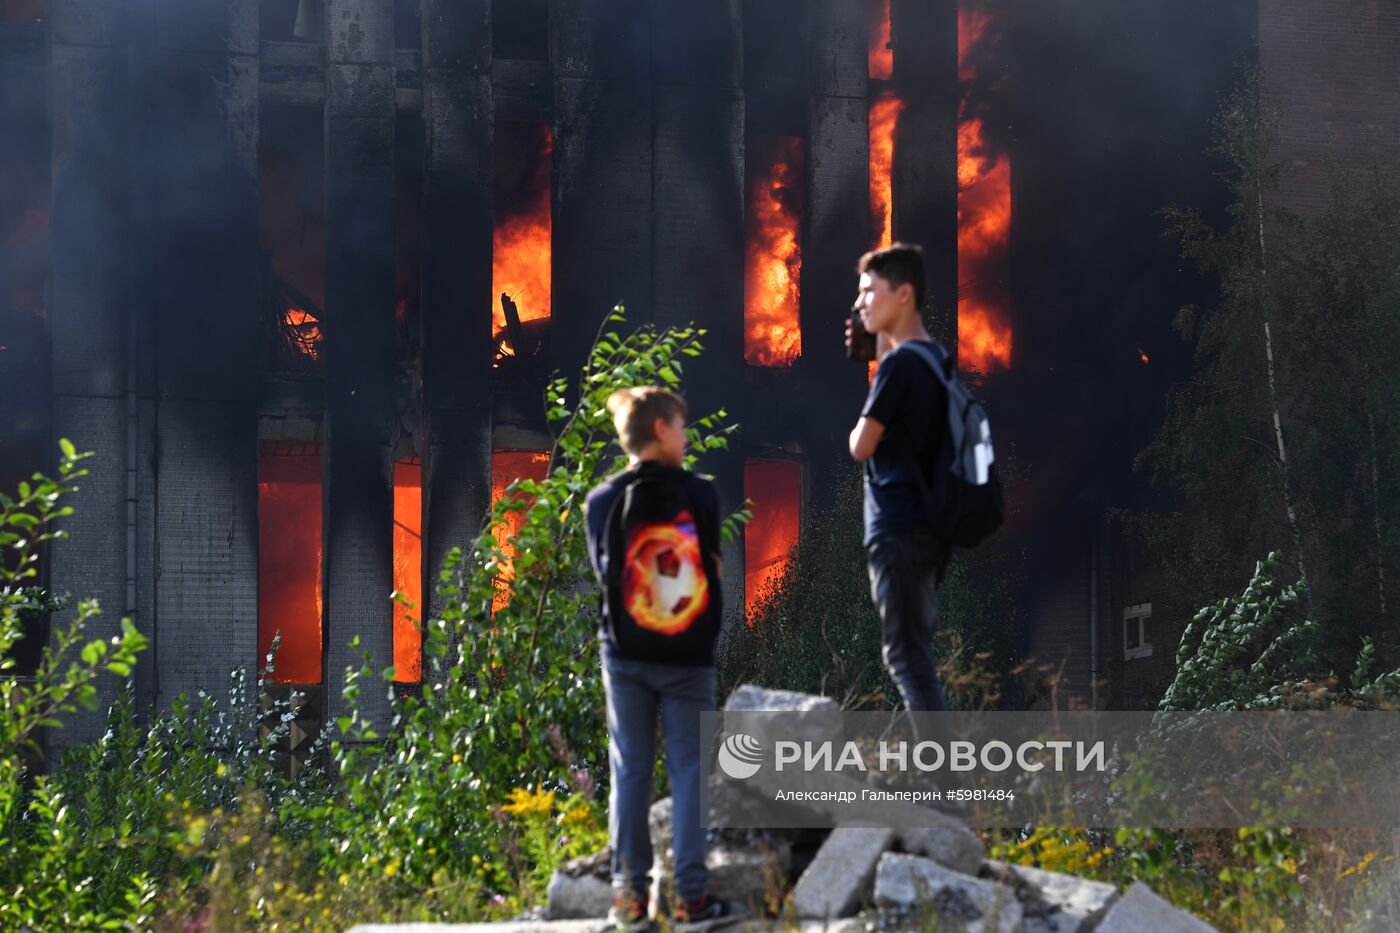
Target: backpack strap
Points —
{"points": [[935, 356], [612, 522], [938, 362]]}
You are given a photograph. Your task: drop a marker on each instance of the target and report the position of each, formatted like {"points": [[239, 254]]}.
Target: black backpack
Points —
{"points": [[973, 505], [661, 592]]}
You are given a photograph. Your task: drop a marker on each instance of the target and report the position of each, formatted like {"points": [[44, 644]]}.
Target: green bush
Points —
{"points": [[1257, 650], [491, 774], [513, 698], [48, 874]]}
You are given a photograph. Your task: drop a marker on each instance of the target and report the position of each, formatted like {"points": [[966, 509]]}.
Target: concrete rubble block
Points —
{"points": [[745, 874], [839, 878], [748, 875], [1053, 902], [767, 715], [735, 806], [581, 889], [751, 698], [953, 846], [926, 890], [1141, 909], [741, 869], [857, 924]]}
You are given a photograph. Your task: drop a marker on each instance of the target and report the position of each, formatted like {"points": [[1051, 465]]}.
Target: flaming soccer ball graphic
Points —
{"points": [[664, 587]]}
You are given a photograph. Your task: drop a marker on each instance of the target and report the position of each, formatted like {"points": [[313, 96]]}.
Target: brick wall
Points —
{"points": [[206, 620], [1334, 68]]}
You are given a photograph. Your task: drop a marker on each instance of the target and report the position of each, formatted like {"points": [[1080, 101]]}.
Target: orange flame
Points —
{"points": [[522, 236], [773, 256], [984, 223], [289, 560], [884, 114], [306, 332], [408, 570], [775, 486], [507, 466], [880, 55], [1142, 355]]}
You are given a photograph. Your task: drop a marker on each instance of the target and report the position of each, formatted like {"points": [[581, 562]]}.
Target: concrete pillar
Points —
{"points": [[603, 169], [698, 218], [837, 232], [458, 116], [359, 345], [925, 39], [87, 312], [195, 219]]}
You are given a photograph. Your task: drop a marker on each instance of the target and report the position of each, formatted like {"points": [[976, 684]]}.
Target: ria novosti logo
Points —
{"points": [[740, 756]]}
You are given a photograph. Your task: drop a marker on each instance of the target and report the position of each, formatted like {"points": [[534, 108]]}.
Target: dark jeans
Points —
{"points": [[905, 571], [636, 693]]}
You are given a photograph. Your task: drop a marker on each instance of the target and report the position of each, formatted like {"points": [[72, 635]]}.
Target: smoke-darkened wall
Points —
{"points": [[272, 223]]}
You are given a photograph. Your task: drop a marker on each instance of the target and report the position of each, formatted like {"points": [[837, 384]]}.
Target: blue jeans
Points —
{"points": [[905, 571], [636, 692]]}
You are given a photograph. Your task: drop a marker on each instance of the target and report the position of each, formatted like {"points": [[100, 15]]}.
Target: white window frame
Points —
{"points": [[1134, 616]]}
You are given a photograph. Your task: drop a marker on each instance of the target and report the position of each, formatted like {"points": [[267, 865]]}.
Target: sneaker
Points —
{"points": [[629, 915], [708, 913]]}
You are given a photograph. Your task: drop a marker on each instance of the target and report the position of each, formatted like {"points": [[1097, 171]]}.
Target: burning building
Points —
{"points": [[298, 279]]}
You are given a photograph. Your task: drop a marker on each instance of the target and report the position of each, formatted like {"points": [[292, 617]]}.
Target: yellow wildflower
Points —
{"points": [[526, 802]]}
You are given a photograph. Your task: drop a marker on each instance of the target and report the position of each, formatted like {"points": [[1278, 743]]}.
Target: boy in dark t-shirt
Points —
{"points": [[650, 423], [900, 436]]}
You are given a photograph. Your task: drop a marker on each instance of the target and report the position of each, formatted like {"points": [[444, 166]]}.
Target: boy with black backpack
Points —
{"points": [[653, 538], [926, 456]]}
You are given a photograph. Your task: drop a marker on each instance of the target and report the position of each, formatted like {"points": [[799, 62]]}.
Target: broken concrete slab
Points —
{"points": [[1142, 909], [1053, 902], [839, 878], [751, 698], [748, 876], [953, 846], [581, 888], [767, 715], [954, 901]]}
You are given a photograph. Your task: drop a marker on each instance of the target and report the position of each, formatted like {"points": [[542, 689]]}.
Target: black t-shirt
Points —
{"points": [[912, 404], [600, 502]]}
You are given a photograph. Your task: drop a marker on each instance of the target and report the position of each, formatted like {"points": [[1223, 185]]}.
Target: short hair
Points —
{"points": [[635, 411], [897, 264]]}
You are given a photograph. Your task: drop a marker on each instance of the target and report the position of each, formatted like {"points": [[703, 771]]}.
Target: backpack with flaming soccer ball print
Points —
{"points": [[662, 593]]}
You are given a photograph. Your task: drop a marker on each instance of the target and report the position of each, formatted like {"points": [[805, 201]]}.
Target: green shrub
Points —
{"points": [[513, 695], [491, 774]]}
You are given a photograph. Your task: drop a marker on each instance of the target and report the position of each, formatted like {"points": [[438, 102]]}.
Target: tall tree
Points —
{"points": [[1221, 458], [1282, 438]]}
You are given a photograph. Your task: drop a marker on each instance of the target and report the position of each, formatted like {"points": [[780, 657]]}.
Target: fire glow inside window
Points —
{"points": [[984, 201], [880, 57], [884, 117], [507, 466], [521, 277], [289, 559], [408, 570], [773, 250], [292, 229], [775, 487]]}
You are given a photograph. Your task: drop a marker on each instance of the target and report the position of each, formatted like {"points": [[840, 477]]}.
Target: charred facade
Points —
{"points": [[305, 265]]}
